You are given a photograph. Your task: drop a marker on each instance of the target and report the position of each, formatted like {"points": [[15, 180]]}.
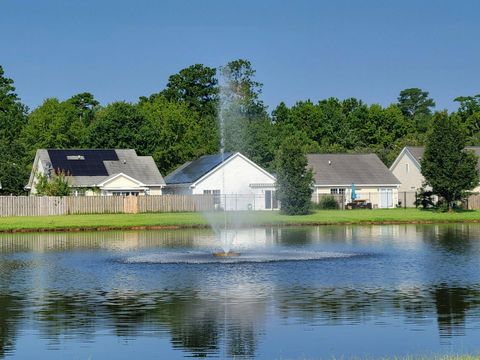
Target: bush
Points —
{"points": [[424, 199], [328, 203]]}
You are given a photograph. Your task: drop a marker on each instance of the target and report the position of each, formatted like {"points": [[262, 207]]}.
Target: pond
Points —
{"points": [[294, 293]]}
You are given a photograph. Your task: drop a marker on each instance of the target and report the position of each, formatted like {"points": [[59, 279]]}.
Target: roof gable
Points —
{"points": [[118, 178], [414, 153], [347, 169], [250, 162]]}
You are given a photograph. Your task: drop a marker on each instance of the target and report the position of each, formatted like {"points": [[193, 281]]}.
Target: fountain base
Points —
{"points": [[225, 254]]}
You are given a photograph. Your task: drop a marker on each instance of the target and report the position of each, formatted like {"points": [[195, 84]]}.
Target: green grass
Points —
{"points": [[321, 217]]}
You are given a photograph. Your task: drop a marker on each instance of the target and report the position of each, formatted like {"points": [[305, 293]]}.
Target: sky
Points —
{"points": [[121, 50]]}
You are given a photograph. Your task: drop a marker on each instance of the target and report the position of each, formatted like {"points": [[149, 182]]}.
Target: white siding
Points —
{"points": [[234, 180]]}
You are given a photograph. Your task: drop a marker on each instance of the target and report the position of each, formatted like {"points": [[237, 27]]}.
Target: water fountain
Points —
{"points": [[228, 97]]}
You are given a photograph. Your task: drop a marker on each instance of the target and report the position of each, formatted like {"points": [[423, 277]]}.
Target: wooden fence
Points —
{"points": [[51, 205], [473, 202]]}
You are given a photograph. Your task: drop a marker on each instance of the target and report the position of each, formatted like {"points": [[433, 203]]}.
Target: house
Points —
{"points": [[338, 174], [407, 167], [236, 182], [99, 172]]}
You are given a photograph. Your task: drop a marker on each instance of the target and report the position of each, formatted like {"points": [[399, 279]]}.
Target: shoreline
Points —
{"points": [[70, 229]]}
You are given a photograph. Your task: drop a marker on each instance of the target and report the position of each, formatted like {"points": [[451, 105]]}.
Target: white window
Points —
{"points": [[216, 195], [407, 168], [125, 193], [271, 201], [337, 191]]}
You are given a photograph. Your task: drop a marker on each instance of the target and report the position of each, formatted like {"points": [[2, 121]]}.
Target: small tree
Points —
{"points": [[294, 180], [424, 198], [447, 167], [56, 186]]}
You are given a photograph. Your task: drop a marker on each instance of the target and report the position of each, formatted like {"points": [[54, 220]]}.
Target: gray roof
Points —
{"points": [[141, 168], [191, 171], [347, 169], [418, 151]]}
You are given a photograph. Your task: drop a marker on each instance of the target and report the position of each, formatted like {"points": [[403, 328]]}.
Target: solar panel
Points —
{"points": [[82, 162], [196, 169]]}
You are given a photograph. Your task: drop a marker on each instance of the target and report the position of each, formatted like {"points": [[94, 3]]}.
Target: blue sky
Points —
{"points": [[120, 50]]}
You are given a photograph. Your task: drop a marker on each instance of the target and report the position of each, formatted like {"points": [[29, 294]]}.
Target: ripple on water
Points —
{"points": [[196, 257]]}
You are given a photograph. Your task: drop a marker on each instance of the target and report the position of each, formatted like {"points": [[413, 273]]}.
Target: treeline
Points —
{"points": [[180, 122]]}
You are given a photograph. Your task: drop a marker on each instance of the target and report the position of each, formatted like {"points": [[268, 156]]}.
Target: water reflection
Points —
{"points": [[69, 286]]}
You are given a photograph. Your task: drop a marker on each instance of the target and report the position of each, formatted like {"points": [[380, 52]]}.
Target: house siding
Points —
{"points": [[369, 193], [411, 180], [234, 180]]}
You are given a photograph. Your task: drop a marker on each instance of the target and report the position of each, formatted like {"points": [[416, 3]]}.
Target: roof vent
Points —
{"points": [[329, 162], [75, 157], [124, 161]]}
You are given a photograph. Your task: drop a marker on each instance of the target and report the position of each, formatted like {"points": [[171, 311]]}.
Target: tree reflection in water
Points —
{"points": [[219, 310]]}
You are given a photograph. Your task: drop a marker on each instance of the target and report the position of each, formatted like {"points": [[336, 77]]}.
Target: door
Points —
{"points": [[386, 198], [268, 199]]}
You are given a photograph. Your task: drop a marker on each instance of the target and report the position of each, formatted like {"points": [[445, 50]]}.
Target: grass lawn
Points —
{"points": [[322, 217]]}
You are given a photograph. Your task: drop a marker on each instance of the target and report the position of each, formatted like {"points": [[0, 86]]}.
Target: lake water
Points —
{"points": [[295, 293]]}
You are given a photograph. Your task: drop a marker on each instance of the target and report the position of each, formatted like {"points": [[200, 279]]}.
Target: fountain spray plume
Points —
{"points": [[231, 135]]}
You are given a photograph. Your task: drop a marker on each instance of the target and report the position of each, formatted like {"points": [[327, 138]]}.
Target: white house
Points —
{"points": [[236, 181], [99, 172], [407, 167], [337, 174]]}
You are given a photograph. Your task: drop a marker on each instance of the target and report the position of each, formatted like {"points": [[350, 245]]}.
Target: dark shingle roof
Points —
{"points": [[418, 151], [193, 170], [347, 169]]}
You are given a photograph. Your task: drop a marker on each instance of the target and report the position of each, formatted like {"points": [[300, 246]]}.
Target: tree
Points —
{"points": [[59, 124], [13, 173], [84, 106], [196, 87], [294, 180], [417, 107], [244, 121], [469, 112], [414, 101], [447, 167], [116, 126], [170, 133], [56, 185]]}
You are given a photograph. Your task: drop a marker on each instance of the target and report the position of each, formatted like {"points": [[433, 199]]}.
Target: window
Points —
{"points": [[407, 168], [337, 191], [216, 195], [125, 193], [271, 201]]}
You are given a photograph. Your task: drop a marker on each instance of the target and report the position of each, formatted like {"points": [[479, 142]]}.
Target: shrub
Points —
{"points": [[424, 199], [328, 203]]}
